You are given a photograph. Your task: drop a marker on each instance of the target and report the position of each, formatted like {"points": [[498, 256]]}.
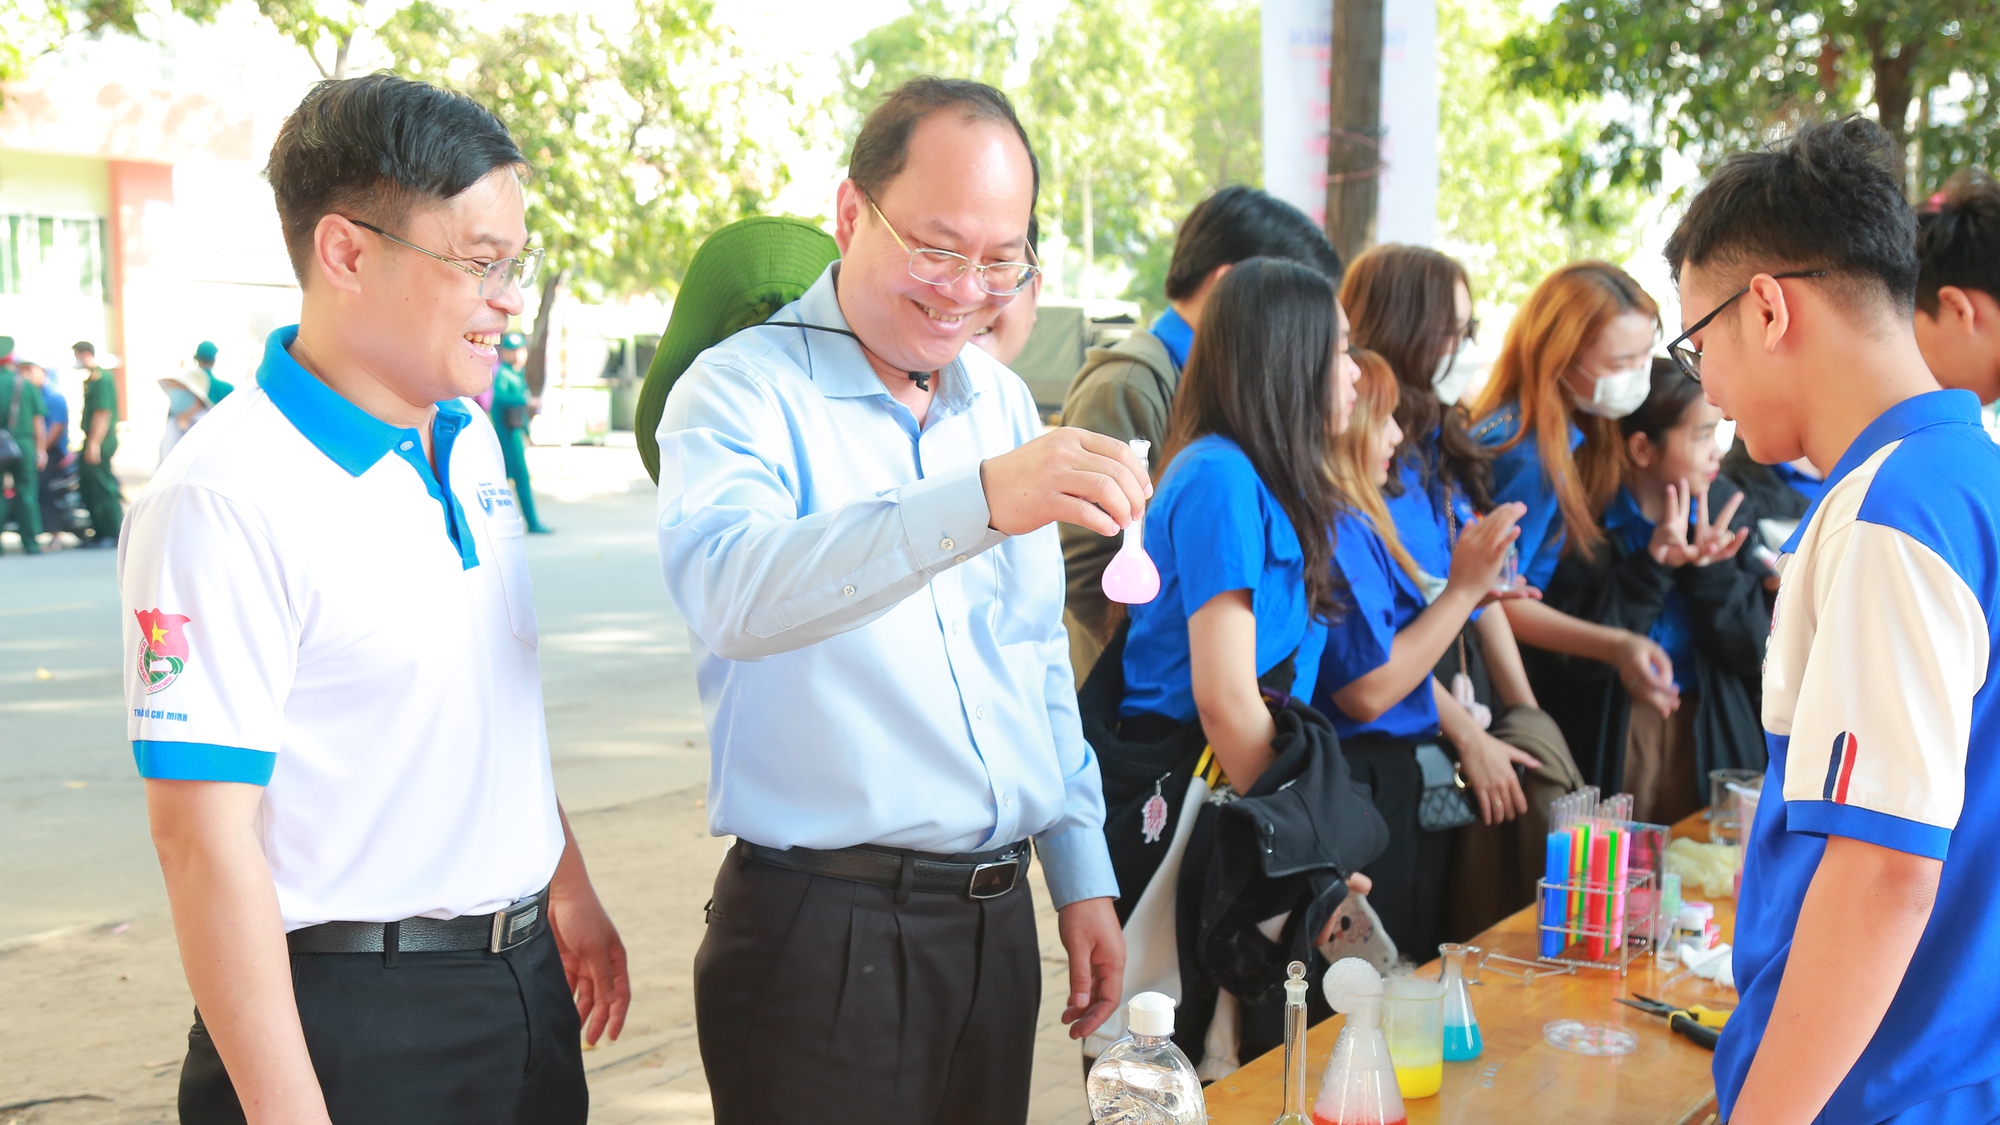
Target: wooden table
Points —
{"points": [[1520, 1078]]}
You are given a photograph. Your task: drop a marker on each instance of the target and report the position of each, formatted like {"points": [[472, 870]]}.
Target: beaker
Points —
{"points": [[1461, 1026], [1360, 1084], [1413, 1020]]}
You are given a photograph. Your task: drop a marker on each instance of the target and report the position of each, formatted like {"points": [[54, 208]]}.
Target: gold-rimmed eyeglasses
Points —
{"points": [[944, 267], [494, 277]]}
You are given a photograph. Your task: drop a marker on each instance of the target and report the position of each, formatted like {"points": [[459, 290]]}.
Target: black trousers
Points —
{"points": [[1409, 877], [821, 1001], [475, 1038]]}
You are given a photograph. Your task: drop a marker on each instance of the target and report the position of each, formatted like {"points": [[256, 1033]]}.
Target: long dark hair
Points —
{"points": [[1261, 374], [1399, 306]]}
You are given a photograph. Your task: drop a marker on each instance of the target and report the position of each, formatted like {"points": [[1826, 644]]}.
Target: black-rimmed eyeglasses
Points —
{"points": [[1688, 359], [494, 277]]}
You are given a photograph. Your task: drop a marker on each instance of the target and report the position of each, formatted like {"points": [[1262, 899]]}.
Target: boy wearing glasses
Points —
{"points": [[332, 681], [1866, 933]]}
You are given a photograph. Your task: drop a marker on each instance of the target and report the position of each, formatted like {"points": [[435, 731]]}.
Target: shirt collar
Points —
{"points": [[1623, 510], [1177, 334], [1932, 408], [349, 436], [845, 371]]}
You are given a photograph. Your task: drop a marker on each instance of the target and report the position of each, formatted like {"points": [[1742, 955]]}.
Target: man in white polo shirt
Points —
{"points": [[334, 691]]}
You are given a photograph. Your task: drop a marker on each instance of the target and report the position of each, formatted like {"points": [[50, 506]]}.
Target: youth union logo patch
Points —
{"points": [[163, 649]]}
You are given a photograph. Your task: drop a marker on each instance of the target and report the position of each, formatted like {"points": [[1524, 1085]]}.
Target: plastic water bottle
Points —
{"points": [[1143, 1079]]}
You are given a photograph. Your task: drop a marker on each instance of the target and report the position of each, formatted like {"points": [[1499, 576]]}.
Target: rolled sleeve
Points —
{"points": [[1362, 639], [1878, 745]]}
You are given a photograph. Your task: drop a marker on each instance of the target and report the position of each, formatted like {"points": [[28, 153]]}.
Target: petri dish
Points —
{"points": [[1599, 1040]]}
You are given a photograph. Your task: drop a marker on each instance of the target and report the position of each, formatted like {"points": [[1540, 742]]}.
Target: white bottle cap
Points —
{"points": [[1150, 1013], [1142, 447]]}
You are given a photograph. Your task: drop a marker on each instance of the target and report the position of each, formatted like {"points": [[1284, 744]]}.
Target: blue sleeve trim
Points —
{"points": [[202, 761], [1825, 818]]}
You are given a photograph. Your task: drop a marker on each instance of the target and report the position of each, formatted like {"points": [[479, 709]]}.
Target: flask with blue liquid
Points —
{"points": [[1461, 1027]]}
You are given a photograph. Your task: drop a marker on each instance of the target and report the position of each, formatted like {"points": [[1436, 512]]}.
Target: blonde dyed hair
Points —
{"points": [[1376, 395]]}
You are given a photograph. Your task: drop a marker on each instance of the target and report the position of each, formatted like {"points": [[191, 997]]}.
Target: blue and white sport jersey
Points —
{"points": [[1883, 724], [310, 607]]}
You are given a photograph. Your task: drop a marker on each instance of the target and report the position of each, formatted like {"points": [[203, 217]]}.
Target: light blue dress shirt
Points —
{"points": [[876, 665]]}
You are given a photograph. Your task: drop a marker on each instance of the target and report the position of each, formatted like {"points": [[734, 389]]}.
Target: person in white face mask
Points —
{"points": [[1577, 357]]}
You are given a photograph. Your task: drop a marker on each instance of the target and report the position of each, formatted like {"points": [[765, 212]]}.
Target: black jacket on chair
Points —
{"points": [[1731, 612]]}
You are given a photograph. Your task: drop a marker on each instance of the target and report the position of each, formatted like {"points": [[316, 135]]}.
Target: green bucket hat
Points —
{"points": [[744, 272]]}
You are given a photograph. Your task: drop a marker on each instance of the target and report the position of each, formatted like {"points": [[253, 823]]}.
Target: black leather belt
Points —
{"points": [[495, 933], [975, 875]]}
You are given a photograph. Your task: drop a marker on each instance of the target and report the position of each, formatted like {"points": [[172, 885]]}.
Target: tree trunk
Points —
{"points": [[1893, 86], [341, 46], [1354, 125], [538, 342]]}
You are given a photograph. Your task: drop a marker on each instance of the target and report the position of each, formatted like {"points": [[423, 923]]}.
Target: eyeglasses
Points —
{"points": [[1687, 358], [494, 277], [942, 267]]}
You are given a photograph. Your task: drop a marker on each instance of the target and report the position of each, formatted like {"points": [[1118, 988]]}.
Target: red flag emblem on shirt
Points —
{"points": [[163, 648]]}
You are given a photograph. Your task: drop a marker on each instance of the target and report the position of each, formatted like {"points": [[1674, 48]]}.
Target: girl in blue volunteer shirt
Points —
{"points": [[1241, 525], [1577, 358], [1412, 306], [1674, 573], [1375, 679]]}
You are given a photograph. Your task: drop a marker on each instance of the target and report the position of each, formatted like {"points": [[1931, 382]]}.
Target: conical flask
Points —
{"points": [[1132, 578], [1359, 1086], [1461, 1026]]}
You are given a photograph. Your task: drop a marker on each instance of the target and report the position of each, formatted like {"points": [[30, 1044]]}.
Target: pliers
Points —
{"points": [[1701, 1024]]}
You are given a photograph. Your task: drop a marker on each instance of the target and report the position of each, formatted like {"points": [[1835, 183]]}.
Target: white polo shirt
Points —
{"points": [[310, 608]]}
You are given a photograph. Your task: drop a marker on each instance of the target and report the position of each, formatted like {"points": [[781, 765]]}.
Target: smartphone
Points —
{"points": [[1358, 932]]}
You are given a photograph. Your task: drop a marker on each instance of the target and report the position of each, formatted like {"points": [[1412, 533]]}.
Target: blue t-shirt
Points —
{"points": [[1673, 630], [1211, 527], [1418, 511], [1882, 714], [1518, 475], [57, 419], [1381, 599], [1177, 334]]}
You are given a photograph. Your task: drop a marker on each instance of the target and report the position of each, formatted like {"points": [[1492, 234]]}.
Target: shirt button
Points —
{"points": [[847, 591], [407, 446], [959, 559], [946, 545], [979, 713], [1007, 799]]}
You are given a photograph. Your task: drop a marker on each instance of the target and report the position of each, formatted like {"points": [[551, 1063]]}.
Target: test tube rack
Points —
{"points": [[1577, 939]]}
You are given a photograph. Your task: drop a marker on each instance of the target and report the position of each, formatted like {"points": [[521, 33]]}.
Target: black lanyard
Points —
{"points": [[921, 378]]}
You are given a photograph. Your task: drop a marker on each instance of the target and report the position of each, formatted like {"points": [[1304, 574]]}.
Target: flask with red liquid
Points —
{"points": [[1359, 1084], [1132, 578]]}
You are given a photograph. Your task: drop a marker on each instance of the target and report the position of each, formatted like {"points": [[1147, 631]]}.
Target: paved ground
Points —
{"points": [[93, 1007]]}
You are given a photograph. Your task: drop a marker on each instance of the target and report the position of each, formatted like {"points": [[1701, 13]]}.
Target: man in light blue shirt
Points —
{"points": [[855, 521]]}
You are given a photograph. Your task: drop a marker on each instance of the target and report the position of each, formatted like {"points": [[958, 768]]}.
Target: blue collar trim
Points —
{"points": [[1177, 334], [1932, 408], [355, 439]]}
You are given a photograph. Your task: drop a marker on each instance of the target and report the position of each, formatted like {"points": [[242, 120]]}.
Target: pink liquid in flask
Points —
{"points": [[1131, 578]]}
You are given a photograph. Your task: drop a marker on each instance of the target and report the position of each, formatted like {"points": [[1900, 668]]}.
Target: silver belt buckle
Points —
{"points": [[986, 881], [510, 924]]}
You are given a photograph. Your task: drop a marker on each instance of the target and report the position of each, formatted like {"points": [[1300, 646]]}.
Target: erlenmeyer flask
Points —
{"points": [[1461, 1026], [1132, 578], [1359, 1085]]}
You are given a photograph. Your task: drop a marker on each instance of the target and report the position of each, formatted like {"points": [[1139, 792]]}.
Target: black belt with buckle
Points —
{"points": [[976, 875], [497, 932]]}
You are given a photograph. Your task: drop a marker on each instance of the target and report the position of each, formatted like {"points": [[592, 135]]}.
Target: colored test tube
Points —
{"points": [[1596, 899], [1555, 902], [1621, 862]]}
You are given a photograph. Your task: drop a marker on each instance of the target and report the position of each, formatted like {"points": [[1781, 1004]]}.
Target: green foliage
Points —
{"points": [[1525, 183], [1724, 75], [1154, 104], [643, 138], [30, 29]]}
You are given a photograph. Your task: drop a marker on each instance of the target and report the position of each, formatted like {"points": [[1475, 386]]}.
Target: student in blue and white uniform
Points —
{"points": [[1375, 679], [1868, 928], [1578, 356]]}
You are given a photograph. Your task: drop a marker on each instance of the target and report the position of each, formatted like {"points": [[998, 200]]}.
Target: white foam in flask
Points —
{"points": [[1359, 1084], [1143, 1079]]}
